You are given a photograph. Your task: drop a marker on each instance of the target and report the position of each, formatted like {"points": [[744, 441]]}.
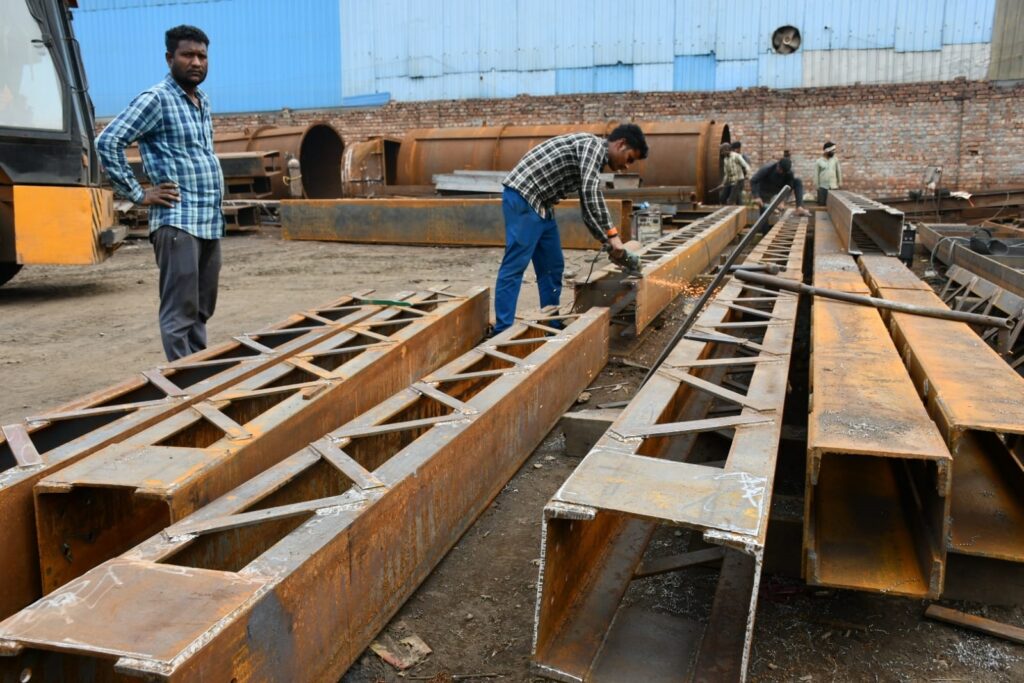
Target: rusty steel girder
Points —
{"points": [[668, 265], [433, 222], [41, 445], [114, 498], [289, 576], [719, 394], [863, 223], [976, 401], [1002, 271], [878, 471], [965, 291]]}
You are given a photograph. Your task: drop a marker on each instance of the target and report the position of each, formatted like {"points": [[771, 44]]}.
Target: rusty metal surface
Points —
{"points": [[43, 444], [878, 470], [941, 242], [432, 222], [649, 468], [368, 166], [668, 265], [112, 499], [318, 147], [965, 291], [681, 152], [291, 575], [980, 206], [978, 404], [863, 223]]}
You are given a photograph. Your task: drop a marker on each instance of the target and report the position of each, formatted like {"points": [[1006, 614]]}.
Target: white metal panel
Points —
{"points": [[916, 67], [461, 36], [654, 24], [390, 37], [574, 33], [733, 74], [498, 44], [739, 23], [536, 82], [780, 71], [695, 28], [653, 77], [613, 32], [969, 60], [357, 61], [536, 35], [499, 84], [405, 89], [426, 40], [846, 67], [461, 86]]}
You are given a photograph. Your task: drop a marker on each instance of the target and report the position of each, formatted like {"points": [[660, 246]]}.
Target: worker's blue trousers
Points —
{"points": [[528, 237]]}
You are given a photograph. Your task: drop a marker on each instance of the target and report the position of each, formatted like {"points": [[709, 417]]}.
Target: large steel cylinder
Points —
{"points": [[681, 152], [318, 147]]}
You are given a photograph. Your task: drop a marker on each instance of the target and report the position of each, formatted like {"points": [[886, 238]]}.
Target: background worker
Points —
{"points": [[544, 176], [735, 171], [172, 124], [827, 174], [771, 178]]}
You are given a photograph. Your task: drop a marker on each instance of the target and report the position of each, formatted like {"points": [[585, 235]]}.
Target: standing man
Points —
{"points": [[771, 178], [545, 175], [827, 174], [172, 124], [735, 171]]}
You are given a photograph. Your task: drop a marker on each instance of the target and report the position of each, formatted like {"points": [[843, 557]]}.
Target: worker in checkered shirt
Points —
{"points": [[171, 121], [545, 175]]}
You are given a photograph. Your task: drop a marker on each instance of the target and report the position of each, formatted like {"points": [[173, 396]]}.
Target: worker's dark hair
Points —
{"points": [[785, 164], [634, 137], [184, 32], [737, 145]]}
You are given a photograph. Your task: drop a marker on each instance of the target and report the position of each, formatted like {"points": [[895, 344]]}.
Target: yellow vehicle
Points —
{"points": [[52, 208]]}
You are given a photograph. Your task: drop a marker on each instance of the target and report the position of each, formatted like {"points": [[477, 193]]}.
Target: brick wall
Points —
{"points": [[887, 134]]}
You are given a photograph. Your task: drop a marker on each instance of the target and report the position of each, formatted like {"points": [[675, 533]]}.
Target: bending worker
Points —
{"points": [[545, 175], [771, 178]]}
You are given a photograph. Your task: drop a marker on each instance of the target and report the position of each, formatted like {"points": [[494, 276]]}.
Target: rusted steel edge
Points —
{"points": [[864, 443], [667, 265], [313, 597], [851, 212], [166, 471], [594, 536], [973, 399], [118, 412]]}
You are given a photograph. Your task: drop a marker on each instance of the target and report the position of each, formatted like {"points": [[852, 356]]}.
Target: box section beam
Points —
{"points": [[696, 449], [292, 574], [431, 222], [42, 445], [878, 471], [668, 265], [114, 498], [865, 225]]}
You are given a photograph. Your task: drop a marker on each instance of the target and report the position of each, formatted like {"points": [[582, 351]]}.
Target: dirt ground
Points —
{"points": [[69, 331]]}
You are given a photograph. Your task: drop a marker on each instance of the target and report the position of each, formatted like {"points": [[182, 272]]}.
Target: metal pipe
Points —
{"points": [[722, 272], [862, 300]]}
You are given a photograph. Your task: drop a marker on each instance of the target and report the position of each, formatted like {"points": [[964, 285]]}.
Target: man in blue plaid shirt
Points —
{"points": [[172, 124]]}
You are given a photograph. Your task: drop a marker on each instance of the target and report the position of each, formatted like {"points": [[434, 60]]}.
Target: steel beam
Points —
{"points": [[878, 470], [653, 467], [433, 222], [44, 444], [668, 265], [112, 499], [292, 574], [945, 243], [975, 399], [863, 223]]}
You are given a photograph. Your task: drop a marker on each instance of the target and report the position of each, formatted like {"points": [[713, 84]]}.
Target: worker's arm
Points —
{"points": [[743, 163], [839, 175], [595, 212], [140, 117]]}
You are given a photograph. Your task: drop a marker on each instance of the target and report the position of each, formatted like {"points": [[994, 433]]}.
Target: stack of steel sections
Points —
{"points": [[291, 575], [41, 445], [667, 265], [112, 499], [726, 381], [978, 404], [878, 470]]}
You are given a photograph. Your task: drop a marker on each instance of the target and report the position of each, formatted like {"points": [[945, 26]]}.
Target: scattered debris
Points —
{"points": [[403, 654]]}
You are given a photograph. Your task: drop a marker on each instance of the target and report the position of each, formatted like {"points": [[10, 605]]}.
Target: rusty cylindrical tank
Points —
{"points": [[318, 147], [681, 152]]}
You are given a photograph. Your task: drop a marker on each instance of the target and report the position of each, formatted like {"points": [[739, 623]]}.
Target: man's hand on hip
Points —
{"points": [[164, 194]]}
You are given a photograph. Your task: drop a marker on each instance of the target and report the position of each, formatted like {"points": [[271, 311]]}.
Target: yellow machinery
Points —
{"points": [[52, 209]]}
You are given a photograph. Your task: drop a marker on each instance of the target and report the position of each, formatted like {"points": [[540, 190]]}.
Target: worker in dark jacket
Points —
{"points": [[771, 178]]}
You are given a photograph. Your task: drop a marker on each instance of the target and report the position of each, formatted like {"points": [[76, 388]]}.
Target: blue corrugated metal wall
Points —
{"points": [[264, 54], [270, 54]]}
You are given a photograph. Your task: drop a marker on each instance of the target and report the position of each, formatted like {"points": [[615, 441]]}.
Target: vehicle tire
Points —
{"points": [[8, 270]]}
